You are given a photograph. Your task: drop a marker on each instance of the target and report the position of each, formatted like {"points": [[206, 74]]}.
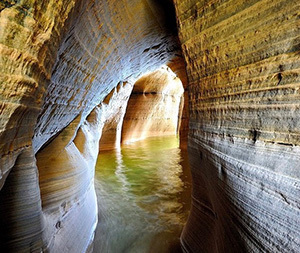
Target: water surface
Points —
{"points": [[143, 193]]}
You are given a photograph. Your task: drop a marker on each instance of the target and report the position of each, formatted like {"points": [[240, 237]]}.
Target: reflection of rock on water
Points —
{"points": [[148, 216]]}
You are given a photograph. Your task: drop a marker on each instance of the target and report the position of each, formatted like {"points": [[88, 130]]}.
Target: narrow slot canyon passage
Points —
{"points": [[143, 186], [149, 126]]}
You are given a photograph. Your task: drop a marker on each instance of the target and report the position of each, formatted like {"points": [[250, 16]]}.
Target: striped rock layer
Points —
{"points": [[243, 60], [60, 59]]}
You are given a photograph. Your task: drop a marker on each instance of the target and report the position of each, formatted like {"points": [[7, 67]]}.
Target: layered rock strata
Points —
{"points": [[66, 167], [177, 65], [116, 102], [154, 106], [109, 42], [60, 59], [30, 34], [243, 69]]}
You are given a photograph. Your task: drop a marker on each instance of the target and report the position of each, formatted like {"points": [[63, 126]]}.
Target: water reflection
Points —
{"points": [[143, 197]]}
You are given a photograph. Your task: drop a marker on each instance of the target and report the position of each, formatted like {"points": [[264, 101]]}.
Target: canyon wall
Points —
{"points": [[154, 106], [116, 101], [59, 60], [177, 65], [30, 33], [66, 175], [108, 42], [243, 60]]}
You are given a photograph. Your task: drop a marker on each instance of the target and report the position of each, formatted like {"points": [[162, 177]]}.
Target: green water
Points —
{"points": [[143, 193]]}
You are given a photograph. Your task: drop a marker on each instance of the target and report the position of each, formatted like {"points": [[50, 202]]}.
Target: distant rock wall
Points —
{"points": [[243, 60], [177, 65], [153, 106]]}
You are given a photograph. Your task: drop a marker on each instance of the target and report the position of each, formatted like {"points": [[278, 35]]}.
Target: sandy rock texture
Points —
{"points": [[154, 106], [115, 105], [30, 34], [59, 60], [243, 69], [177, 65], [66, 71], [108, 42], [66, 175]]}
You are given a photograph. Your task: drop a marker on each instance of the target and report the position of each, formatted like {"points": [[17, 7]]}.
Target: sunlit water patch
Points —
{"points": [[143, 193]]}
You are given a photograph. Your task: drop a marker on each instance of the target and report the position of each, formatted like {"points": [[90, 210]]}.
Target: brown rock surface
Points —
{"points": [[29, 36], [115, 107], [153, 106], [177, 65], [109, 42], [60, 59], [67, 79], [243, 70]]}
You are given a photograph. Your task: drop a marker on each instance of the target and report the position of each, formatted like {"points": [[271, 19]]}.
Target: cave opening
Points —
{"points": [[142, 177]]}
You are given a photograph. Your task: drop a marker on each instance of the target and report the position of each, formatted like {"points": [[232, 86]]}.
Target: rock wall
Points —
{"points": [[154, 106], [104, 46], [177, 65], [30, 34], [59, 60], [66, 172], [243, 61], [116, 102]]}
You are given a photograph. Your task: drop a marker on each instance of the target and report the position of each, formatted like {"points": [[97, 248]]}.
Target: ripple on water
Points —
{"points": [[143, 193]]}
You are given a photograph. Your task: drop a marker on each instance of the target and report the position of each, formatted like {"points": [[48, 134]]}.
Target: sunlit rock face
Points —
{"points": [[66, 171], [177, 65], [154, 106], [243, 63], [30, 34], [60, 59], [109, 42], [115, 107]]}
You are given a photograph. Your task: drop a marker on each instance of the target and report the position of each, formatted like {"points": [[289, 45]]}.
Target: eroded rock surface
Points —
{"points": [[60, 59], [154, 106], [115, 107], [243, 70], [109, 42]]}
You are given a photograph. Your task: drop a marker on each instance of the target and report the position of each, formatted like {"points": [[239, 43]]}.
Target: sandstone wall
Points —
{"points": [[30, 34], [116, 102], [59, 60], [177, 65], [109, 42], [243, 61], [153, 106], [66, 172]]}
